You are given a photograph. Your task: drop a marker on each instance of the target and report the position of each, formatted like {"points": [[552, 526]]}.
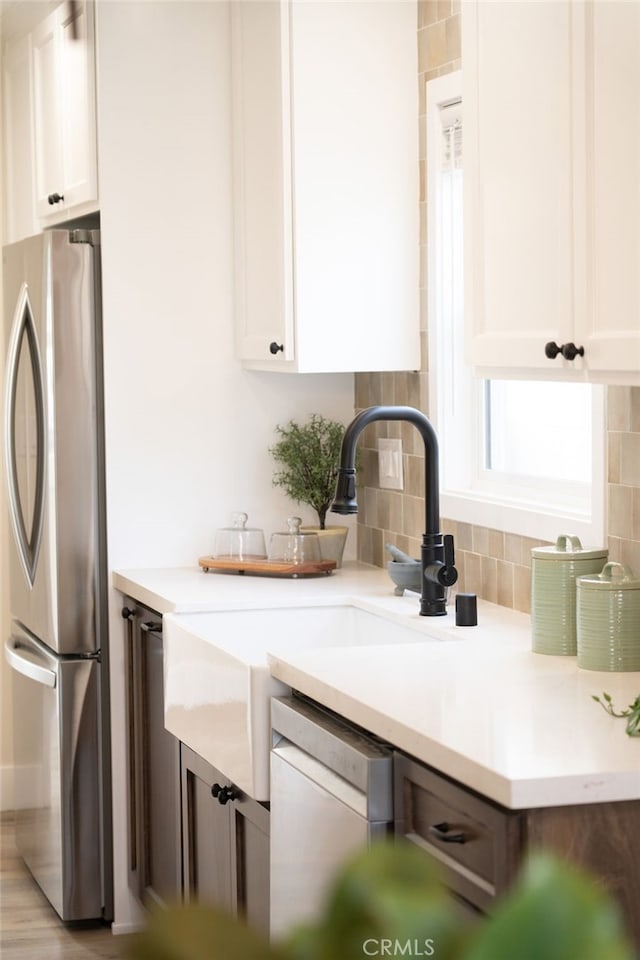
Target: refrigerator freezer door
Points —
{"points": [[57, 774], [52, 438]]}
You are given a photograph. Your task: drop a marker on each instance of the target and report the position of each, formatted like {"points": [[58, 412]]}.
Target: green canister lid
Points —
{"points": [[614, 576], [568, 547]]}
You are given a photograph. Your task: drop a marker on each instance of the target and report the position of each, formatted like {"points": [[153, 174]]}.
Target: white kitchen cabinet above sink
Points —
{"points": [[217, 680]]}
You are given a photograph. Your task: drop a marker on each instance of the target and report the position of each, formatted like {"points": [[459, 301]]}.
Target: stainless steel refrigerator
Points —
{"points": [[57, 647]]}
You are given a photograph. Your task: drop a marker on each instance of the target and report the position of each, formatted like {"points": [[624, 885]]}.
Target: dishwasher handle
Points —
{"points": [[26, 662]]}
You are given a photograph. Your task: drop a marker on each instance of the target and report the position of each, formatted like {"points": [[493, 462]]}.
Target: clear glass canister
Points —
{"points": [[554, 570], [240, 542], [608, 619]]}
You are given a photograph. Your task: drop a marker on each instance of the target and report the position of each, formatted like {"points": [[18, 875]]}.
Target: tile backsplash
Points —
{"points": [[495, 565]]}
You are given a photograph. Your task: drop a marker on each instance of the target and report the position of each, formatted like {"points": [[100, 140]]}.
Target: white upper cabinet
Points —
{"points": [[551, 95], [326, 185], [19, 212], [64, 113]]}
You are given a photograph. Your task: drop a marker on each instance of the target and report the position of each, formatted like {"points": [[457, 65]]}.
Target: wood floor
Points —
{"points": [[30, 929]]}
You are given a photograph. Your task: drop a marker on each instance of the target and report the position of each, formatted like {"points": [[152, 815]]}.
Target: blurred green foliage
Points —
{"points": [[390, 902]]}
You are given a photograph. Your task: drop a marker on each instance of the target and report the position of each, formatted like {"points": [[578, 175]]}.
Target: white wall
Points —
{"points": [[187, 430]]}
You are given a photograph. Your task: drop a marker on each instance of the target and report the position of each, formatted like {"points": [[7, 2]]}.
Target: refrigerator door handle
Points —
{"points": [[27, 531], [26, 663]]}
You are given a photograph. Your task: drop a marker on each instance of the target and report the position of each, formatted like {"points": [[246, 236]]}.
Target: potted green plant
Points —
{"points": [[308, 455]]}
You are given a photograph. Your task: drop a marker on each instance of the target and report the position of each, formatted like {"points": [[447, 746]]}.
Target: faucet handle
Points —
{"points": [[448, 574], [449, 557]]}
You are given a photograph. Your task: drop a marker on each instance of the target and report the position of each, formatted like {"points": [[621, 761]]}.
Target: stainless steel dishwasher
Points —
{"points": [[331, 794]]}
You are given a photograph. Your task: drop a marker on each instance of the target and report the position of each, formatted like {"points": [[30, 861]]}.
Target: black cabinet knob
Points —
{"points": [[568, 350], [224, 794], [275, 347], [127, 613], [55, 198]]}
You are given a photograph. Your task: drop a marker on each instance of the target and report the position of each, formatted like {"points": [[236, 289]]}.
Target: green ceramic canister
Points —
{"points": [[608, 619], [554, 571]]}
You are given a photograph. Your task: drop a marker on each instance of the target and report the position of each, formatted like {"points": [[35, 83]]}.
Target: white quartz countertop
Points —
{"points": [[473, 702]]}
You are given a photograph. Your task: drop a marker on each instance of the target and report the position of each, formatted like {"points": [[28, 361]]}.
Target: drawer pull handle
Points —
{"points": [[442, 831]]}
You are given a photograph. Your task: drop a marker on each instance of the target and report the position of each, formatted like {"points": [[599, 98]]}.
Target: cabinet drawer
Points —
{"points": [[476, 843]]}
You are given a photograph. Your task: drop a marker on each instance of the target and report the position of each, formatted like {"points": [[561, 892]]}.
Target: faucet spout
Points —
{"points": [[438, 570]]}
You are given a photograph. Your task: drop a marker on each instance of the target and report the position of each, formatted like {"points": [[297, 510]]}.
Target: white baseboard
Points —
{"points": [[120, 929]]}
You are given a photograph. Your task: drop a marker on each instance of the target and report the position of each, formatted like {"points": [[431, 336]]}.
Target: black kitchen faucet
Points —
{"points": [[436, 554]]}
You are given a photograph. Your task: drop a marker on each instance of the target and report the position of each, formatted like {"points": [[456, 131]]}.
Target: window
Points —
{"points": [[526, 457]]}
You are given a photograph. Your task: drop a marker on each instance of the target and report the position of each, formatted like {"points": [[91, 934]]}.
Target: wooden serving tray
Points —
{"points": [[263, 567]]}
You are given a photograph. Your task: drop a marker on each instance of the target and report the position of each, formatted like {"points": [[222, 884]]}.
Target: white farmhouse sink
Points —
{"points": [[217, 681]]}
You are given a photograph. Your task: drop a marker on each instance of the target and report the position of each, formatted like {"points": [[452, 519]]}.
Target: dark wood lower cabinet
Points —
{"points": [[155, 855], [477, 845], [225, 842], [603, 838], [480, 846]]}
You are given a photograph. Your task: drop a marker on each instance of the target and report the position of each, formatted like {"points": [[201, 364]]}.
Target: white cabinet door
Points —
{"points": [[64, 112], [326, 193], [19, 212], [611, 227], [517, 115], [552, 203]]}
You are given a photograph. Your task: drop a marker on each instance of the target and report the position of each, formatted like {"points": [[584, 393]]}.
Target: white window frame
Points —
{"points": [[470, 493]]}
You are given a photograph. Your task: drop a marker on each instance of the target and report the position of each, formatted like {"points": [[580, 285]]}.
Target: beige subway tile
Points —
{"points": [[365, 550], [368, 464], [401, 389], [513, 547], [427, 12], [618, 408], [505, 583], [388, 387], [630, 554], [414, 385], [389, 510], [424, 265], [377, 543], [413, 517], [489, 574], [620, 510], [402, 543], [473, 573], [634, 413], [424, 350], [362, 390], [422, 387], [522, 588], [452, 33], [481, 540], [368, 507], [465, 536], [635, 524], [414, 476], [630, 459], [414, 547], [496, 544], [435, 51], [460, 586], [613, 457]]}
